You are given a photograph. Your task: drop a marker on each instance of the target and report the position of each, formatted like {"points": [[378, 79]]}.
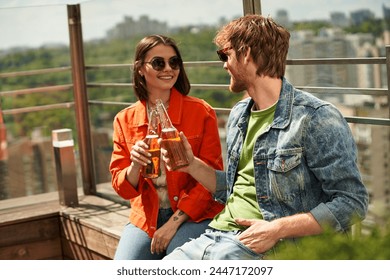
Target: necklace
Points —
{"points": [[151, 105]]}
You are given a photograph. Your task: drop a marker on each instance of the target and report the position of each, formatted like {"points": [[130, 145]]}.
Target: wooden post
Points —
{"points": [[81, 99], [65, 163], [251, 7], [3, 138], [388, 75]]}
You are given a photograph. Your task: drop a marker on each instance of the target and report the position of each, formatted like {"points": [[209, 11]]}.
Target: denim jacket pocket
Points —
{"points": [[285, 160], [286, 175]]}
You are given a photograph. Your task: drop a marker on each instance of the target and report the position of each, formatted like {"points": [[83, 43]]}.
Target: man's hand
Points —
{"points": [[260, 236], [187, 146], [199, 170]]}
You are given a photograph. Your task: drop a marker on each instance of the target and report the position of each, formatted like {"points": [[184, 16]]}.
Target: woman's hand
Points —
{"points": [[162, 237], [139, 157], [139, 154]]}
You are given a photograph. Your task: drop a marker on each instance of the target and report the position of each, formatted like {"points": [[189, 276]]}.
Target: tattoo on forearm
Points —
{"points": [[181, 213]]}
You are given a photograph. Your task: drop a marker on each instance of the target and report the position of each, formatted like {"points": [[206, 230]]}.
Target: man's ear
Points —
{"points": [[247, 55]]}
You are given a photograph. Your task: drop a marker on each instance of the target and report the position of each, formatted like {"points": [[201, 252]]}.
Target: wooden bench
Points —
{"points": [[38, 227]]}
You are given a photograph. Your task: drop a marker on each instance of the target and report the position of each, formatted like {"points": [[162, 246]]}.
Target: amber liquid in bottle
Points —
{"points": [[152, 169], [170, 139], [172, 143]]}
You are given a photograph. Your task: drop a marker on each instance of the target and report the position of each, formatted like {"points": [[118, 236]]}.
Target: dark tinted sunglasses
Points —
{"points": [[222, 54], [158, 63]]}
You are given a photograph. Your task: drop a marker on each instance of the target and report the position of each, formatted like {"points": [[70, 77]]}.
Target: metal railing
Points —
{"points": [[80, 86], [377, 92], [329, 90]]}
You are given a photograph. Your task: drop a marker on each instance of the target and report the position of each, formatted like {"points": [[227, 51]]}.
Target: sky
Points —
{"points": [[34, 23]]}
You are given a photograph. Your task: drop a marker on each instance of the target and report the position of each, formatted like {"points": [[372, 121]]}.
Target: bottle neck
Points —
{"points": [[153, 126], [165, 121]]}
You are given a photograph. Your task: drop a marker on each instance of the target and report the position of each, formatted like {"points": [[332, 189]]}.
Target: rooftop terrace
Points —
{"points": [[34, 212]]}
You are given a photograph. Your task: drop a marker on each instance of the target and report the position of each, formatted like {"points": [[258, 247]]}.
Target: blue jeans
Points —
{"points": [[134, 243], [214, 245]]}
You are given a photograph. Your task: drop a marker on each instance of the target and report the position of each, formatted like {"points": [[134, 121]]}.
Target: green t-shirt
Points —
{"points": [[243, 203]]}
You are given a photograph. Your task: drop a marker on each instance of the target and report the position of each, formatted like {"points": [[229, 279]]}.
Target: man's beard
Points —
{"points": [[237, 85]]}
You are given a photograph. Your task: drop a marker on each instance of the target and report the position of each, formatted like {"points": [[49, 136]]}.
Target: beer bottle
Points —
{"points": [[170, 139], [152, 169]]}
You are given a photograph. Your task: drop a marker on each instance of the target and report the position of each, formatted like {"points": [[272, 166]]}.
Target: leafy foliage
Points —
{"points": [[311, 25], [372, 26], [331, 246]]}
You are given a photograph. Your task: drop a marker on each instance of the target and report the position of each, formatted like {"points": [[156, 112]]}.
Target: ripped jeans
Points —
{"points": [[214, 245]]}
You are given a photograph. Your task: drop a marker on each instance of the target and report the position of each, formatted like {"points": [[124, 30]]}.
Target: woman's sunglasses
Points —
{"points": [[158, 63], [222, 54]]}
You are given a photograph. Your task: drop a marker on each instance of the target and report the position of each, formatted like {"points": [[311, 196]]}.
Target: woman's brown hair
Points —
{"points": [[182, 84]]}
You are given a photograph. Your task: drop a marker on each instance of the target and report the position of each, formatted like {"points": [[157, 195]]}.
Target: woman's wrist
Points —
{"points": [[132, 173], [179, 217]]}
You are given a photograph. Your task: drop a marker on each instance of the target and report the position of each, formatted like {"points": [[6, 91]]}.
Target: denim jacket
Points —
{"points": [[305, 161]]}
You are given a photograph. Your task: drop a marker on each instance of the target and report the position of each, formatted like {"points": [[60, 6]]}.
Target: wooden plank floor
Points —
{"points": [[38, 227]]}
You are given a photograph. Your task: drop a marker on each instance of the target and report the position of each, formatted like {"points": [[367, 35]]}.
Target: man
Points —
{"points": [[291, 159]]}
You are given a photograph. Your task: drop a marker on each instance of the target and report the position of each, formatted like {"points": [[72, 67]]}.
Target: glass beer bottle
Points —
{"points": [[152, 169], [170, 139]]}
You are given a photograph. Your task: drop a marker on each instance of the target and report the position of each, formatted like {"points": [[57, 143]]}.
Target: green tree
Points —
{"points": [[336, 246]]}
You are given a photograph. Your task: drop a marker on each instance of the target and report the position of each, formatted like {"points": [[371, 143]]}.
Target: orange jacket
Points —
{"points": [[198, 121]]}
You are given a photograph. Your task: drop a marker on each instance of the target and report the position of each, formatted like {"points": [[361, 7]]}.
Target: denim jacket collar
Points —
{"points": [[282, 117]]}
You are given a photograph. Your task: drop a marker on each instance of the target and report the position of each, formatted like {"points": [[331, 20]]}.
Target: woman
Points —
{"points": [[165, 212]]}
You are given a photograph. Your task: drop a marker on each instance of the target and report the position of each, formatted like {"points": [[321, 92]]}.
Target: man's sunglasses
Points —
{"points": [[222, 54], [158, 63]]}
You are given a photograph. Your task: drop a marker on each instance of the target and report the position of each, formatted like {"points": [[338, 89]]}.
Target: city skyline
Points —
{"points": [[34, 23]]}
